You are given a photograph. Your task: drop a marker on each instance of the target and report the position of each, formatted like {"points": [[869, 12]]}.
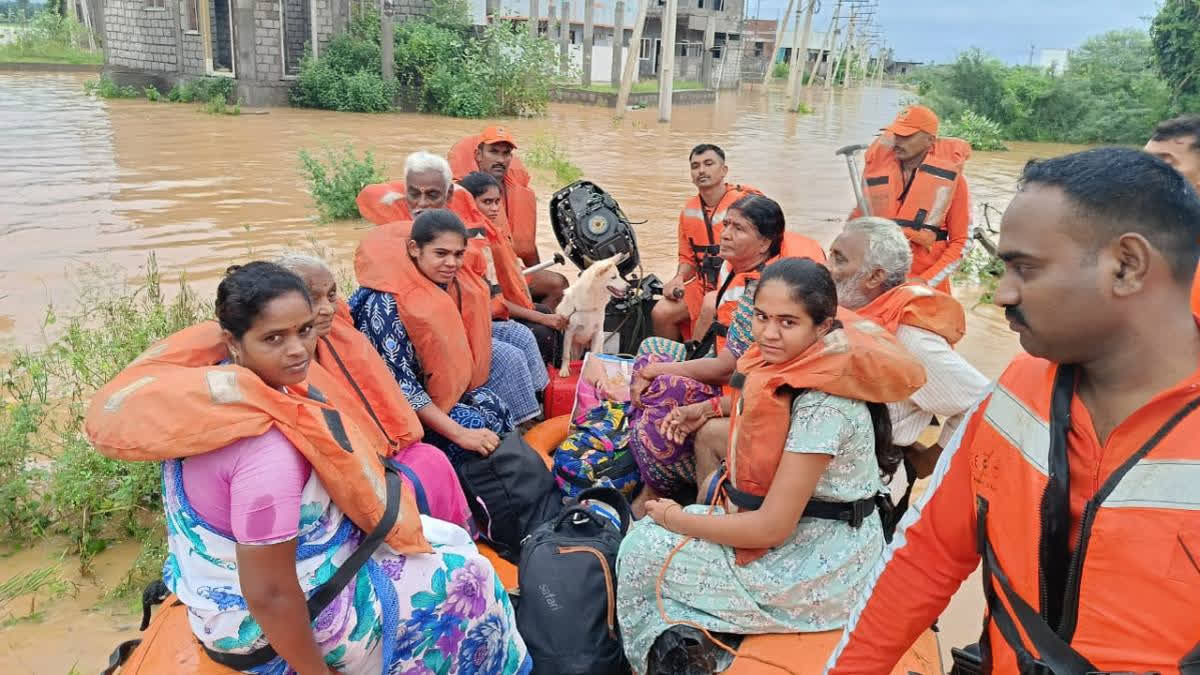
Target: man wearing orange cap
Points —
{"points": [[492, 152], [916, 179]]}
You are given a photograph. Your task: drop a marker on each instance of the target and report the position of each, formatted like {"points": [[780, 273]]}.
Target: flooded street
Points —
{"points": [[89, 182]]}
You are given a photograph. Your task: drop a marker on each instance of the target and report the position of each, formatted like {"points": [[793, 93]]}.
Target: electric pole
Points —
{"points": [[666, 75]]}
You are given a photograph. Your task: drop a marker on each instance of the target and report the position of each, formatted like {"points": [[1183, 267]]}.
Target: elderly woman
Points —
{"points": [[673, 395], [349, 358]]}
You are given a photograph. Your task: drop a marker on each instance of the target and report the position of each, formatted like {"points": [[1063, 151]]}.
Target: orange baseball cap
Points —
{"points": [[912, 119], [496, 134]]}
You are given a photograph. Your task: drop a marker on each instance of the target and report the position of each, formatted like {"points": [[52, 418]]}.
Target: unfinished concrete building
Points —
{"points": [[708, 42], [259, 43]]}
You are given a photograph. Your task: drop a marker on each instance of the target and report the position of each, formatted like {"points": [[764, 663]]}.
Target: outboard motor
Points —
{"points": [[590, 225]]}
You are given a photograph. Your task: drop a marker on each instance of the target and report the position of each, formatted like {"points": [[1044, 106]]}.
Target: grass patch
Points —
{"points": [[335, 181], [643, 87], [50, 38], [104, 87], [52, 482], [544, 153], [15, 53], [44, 583], [217, 106]]}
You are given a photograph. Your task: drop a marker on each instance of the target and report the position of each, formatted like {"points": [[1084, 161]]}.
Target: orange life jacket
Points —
{"points": [[919, 306], [520, 203], [383, 202], [921, 212], [176, 400], [1129, 586], [1196, 293], [733, 285], [700, 233], [348, 356], [490, 252], [451, 328], [859, 361]]}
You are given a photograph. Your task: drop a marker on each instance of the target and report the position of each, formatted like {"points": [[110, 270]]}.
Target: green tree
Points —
{"points": [[1175, 33]]}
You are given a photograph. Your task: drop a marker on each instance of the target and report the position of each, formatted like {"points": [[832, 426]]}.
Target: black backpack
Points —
{"points": [[510, 492], [568, 609]]}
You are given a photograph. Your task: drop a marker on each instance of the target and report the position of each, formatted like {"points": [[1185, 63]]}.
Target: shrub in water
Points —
{"points": [[335, 183], [981, 132]]}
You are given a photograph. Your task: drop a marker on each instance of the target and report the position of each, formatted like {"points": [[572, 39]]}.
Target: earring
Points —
{"points": [[236, 356]]}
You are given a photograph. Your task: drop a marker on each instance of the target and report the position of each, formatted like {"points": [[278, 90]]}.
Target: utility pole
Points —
{"points": [[666, 74], [553, 28], [1032, 47], [564, 54], [826, 49], [534, 19], [799, 57], [849, 49], [635, 46], [589, 33], [387, 42], [618, 42], [834, 51], [776, 46]]}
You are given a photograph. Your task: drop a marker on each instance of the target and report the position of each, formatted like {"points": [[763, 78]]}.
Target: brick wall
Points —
{"points": [[141, 38], [268, 34], [326, 19], [191, 61], [411, 9]]}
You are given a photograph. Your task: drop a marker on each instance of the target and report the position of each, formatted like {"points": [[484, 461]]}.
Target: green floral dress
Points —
{"points": [[807, 584]]}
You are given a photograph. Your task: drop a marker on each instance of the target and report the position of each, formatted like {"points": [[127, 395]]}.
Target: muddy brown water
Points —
{"points": [[89, 183]]}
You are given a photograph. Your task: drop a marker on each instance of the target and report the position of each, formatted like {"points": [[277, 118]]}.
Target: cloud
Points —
{"points": [[936, 30]]}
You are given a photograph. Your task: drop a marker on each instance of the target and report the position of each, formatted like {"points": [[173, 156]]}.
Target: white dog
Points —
{"points": [[583, 306]]}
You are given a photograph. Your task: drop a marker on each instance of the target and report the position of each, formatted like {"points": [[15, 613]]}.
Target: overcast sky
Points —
{"points": [[936, 30]]}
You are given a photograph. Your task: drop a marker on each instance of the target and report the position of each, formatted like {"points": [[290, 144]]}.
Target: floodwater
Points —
{"points": [[88, 183]]}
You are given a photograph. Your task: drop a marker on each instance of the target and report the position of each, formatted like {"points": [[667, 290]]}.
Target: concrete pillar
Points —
{"points": [[244, 64], [631, 63], [706, 62], [387, 42], [618, 40], [589, 36], [552, 26], [666, 75], [534, 18], [564, 56]]}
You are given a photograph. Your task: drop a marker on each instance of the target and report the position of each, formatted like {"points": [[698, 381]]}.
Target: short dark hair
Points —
{"points": [[1121, 190], [433, 222], [706, 147], [766, 215], [478, 182], [246, 289], [1179, 127]]}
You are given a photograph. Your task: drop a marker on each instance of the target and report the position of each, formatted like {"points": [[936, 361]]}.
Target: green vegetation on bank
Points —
{"points": [[50, 38], [335, 181], [52, 482], [215, 93], [1115, 88], [443, 65]]}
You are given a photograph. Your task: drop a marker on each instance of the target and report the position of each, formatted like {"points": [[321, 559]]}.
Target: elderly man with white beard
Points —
{"points": [[869, 262]]}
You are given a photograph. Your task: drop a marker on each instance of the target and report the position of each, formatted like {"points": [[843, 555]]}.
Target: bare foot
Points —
{"points": [[639, 503]]}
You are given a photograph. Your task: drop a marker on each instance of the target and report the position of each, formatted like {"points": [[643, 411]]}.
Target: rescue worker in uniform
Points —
{"points": [[916, 179], [492, 152], [1075, 480], [700, 225], [1177, 142], [869, 261]]}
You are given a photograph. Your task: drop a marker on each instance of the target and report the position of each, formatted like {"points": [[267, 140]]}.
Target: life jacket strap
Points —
{"points": [[853, 513], [324, 594]]}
